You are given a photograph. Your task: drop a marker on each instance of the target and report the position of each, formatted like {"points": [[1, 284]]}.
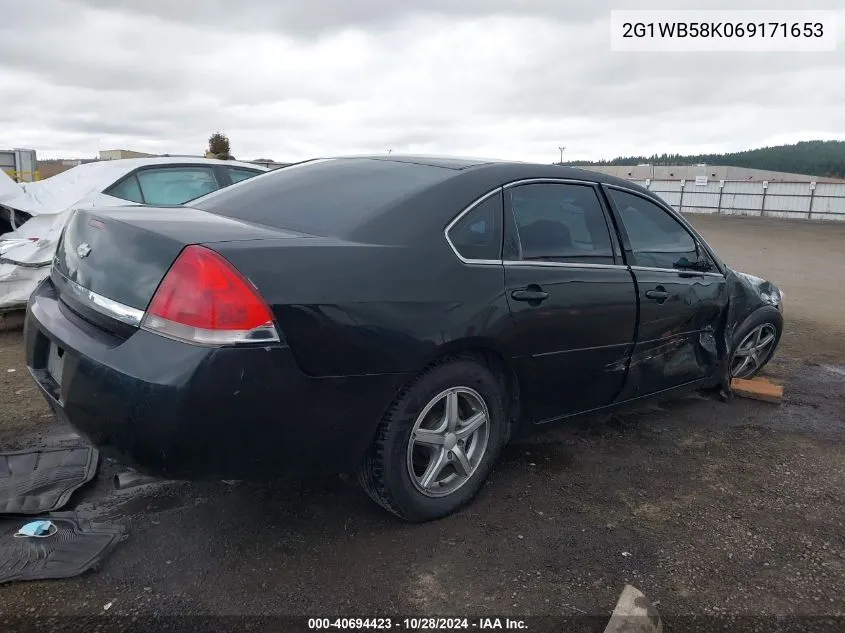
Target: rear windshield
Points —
{"points": [[322, 197]]}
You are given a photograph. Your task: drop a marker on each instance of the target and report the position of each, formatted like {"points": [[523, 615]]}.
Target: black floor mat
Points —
{"points": [[76, 546], [36, 481]]}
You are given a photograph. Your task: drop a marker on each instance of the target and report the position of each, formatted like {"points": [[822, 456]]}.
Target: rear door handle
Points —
{"points": [[657, 295], [530, 295]]}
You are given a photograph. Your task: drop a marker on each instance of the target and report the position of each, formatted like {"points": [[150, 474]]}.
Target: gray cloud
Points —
{"points": [[309, 18], [511, 78]]}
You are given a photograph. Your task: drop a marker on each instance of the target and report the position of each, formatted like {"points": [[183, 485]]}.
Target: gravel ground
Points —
{"points": [[712, 509]]}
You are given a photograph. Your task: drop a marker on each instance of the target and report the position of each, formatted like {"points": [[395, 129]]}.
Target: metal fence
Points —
{"points": [[801, 200]]}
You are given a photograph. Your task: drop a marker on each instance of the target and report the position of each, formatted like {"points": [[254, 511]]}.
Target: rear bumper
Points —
{"points": [[182, 411]]}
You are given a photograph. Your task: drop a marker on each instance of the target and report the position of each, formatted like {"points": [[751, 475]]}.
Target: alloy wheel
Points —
{"points": [[753, 351], [448, 441]]}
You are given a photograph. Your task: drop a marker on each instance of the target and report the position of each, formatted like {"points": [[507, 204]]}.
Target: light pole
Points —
{"points": [[561, 148], [388, 152]]}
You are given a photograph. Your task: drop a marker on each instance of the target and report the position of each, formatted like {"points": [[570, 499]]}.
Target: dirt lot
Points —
{"points": [[712, 509]]}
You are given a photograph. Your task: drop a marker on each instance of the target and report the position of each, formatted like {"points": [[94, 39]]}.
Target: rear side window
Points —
{"points": [[478, 234], [560, 222], [657, 239], [127, 189], [240, 174], [323, 197], [176, 185]]}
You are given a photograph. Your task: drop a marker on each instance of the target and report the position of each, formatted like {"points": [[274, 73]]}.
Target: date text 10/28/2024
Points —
{"points": [[417, 624]]}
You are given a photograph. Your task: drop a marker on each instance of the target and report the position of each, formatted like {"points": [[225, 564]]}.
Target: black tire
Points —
{"points": [[384, 474], [764, 315]]}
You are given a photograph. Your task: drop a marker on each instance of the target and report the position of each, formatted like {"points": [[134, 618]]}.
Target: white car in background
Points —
{"points": [[33, 214]]}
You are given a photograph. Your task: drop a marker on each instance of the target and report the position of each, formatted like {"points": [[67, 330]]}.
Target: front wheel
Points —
{"points": [[755, 342], [438, 442]]}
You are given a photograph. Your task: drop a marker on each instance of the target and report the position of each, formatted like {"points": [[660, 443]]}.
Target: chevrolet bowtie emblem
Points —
{"points": [[83, 250]]}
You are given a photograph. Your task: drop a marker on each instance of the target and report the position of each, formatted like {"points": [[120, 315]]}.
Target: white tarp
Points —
{"points": [[9, 189], [27, 251]]}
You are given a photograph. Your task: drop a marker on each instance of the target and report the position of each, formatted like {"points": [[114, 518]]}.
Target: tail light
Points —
{"points": [[203, 299]]}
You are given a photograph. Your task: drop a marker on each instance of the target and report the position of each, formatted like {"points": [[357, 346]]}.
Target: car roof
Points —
{"points": [[66, 188], [337, 196], [101, 173], [502, 168], [466, 182], [447, 162], [128, 164]]}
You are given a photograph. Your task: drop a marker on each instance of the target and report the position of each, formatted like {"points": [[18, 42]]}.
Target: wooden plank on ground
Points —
{"points": [[757, 389]]}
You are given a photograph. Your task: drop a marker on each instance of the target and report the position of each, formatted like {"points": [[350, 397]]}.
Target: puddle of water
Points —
{"points": [[836, 369]]}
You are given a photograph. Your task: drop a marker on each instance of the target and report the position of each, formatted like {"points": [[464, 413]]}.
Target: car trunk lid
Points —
{"points": [[108, 264]]}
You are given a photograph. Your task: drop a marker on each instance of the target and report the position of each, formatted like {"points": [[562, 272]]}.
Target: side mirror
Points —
{"points": [[702, 264], [685, 264]]}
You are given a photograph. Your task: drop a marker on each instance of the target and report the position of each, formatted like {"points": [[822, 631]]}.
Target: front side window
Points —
{"points": [[657, 239], [560, 223], [478, 235], [176, 185]]}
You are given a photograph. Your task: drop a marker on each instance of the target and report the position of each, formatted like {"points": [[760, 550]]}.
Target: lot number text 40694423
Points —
{"points": [[417, 624]]}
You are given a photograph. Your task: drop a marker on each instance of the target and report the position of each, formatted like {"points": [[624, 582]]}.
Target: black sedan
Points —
{"points": [[402, 316]]}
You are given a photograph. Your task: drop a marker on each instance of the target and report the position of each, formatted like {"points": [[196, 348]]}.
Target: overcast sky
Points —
{"points": [[291, 80]]}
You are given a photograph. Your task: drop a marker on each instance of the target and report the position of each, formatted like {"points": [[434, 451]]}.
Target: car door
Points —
{"points": [[572, 301], [681, 292]]}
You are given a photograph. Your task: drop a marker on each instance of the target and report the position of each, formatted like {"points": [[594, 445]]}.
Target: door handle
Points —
{"points": [[530, 294], [658, 295]]}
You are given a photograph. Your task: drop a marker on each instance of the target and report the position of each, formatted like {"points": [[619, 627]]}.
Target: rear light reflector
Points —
{"points": [[203, 299]]}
